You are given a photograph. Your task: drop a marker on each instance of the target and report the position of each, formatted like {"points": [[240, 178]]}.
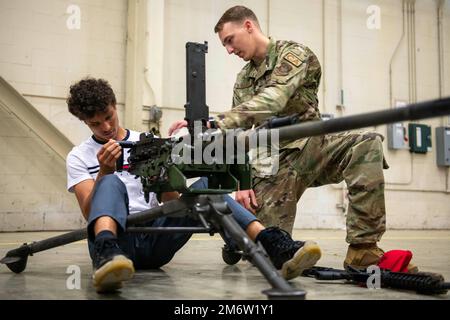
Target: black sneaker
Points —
{"points": [[111, 266], [292, 257]]}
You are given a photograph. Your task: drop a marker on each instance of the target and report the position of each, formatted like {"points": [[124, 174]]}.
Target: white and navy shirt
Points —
{"points": [[82, 164]]}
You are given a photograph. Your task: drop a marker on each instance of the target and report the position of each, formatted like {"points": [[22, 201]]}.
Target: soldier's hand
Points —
{"points": [[177, 126], [107, 157], [247, 199]]}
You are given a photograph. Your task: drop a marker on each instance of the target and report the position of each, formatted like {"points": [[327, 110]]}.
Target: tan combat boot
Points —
{"points": [[361, 256]]}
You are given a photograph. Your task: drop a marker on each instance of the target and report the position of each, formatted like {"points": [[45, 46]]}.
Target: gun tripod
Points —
{"points": [[213, 215]]}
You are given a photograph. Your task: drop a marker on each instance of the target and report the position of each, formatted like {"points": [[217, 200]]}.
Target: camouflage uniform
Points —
{"points": [[287, 83]]}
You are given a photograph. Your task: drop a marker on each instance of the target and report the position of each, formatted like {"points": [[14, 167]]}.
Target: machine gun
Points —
{"points": [[153, 160], [421, 282], [161, 170]]}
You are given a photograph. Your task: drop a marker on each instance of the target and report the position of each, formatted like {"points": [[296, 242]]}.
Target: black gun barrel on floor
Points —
{"points": [[16, 259]]}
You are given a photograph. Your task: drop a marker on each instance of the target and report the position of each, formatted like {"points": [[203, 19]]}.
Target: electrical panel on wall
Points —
{"points": [[396, 136], [443, 146], [396, 132], [419, 138]]}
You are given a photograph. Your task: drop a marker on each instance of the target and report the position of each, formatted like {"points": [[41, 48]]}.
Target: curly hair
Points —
{"points": [[89, 96]]}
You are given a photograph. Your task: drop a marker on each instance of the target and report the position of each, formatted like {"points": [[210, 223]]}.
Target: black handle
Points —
{"points": [[275, 122], [124, 145]]}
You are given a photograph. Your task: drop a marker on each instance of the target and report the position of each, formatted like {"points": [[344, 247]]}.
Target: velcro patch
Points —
{"points": [[293, 59], [283, 69]]}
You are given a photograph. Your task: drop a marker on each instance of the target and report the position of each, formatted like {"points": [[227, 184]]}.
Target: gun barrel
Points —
{"points": [[422, 110], [331, 275]]}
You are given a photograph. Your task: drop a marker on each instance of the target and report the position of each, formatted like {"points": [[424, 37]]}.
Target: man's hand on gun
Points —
{"points": [[107, 157], [177, 126], [180, 124]]}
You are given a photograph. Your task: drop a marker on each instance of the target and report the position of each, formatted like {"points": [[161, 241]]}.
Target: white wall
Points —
{"points": [[41, 57], [33, 192]]}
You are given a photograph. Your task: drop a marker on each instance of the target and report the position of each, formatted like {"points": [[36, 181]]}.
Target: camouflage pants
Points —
{"points": [[356, 158]]}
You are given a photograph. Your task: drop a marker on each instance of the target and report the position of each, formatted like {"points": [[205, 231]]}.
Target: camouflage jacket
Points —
{"points": [[285, 83]]}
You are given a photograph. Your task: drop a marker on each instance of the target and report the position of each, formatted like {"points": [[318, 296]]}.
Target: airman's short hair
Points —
{"points": [[236, 14]]}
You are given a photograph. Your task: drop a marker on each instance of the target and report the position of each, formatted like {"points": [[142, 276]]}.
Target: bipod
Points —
{"points": [[216, 211], [214, 216]]}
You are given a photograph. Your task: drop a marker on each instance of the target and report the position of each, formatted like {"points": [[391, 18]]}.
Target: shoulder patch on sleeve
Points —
{"points": [[283, 69], [293, 59]]}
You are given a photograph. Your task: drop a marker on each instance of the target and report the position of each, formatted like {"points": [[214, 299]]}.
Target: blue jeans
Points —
{"points": [[148, 251]]}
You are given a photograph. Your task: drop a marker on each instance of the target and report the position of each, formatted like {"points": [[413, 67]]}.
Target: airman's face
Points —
{"points": [[236, 37]]}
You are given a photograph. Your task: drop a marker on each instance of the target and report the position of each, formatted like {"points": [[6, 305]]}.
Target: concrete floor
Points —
{"points": [[198, 272]]}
